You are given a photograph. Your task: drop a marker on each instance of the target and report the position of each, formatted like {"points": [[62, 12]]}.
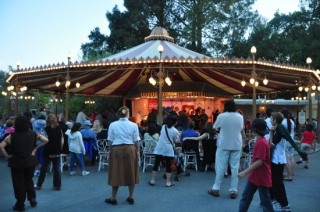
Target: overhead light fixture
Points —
{"points": [[243, 83], [57, 83], [300, 88], [256, 83], [306, 89], [314, 87], [251, 80], [78, 85]]}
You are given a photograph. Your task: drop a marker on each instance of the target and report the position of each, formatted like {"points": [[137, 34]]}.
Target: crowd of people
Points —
{"points": [[222, 142]]}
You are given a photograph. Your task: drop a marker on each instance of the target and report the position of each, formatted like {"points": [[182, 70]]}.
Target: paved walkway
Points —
{"points": [[190, 194]]}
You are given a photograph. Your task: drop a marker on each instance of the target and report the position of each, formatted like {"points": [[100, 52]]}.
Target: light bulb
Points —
{"points": [[57, 83], [306, 89], [78, 85], [265, 81], [243, 83], [251, 80], [256, 83]]}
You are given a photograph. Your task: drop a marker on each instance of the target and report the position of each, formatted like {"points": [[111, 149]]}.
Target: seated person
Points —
{"points": [[209, 143], [189, 132], [89, 140], [152, 133]]}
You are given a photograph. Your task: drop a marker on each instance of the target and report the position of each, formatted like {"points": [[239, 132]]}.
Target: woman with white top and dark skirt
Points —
{"points": [[164, 149], [123, 170]]}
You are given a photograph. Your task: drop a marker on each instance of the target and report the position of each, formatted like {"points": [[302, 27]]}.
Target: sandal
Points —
{"points": [[213, 192], [287, 179], [171, 184]]}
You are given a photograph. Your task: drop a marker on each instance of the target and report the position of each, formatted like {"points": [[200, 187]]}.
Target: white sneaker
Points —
{"points": [[36, 173], [72, 173], [278, 208], [85, 173]]}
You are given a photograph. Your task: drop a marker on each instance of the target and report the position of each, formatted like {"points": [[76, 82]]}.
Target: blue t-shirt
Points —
{"points": [[188, 133]]}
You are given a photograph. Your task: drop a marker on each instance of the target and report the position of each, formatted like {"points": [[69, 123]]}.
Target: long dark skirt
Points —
{"points": [[123, 166], [209, 151]]}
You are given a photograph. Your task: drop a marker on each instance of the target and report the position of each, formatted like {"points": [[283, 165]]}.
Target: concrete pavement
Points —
{"points": [[190, 194]]}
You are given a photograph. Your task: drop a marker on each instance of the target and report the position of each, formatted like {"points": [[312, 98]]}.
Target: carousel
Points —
{"points": [[159, 73]]}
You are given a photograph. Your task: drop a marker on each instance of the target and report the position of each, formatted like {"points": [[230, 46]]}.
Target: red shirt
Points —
{"points": [[308, 137], [261, 176]]}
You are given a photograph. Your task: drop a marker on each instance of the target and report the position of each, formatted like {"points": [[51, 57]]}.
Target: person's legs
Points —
{"points": [[28, 174], [80, 159], [131, 191], [278, 191], [18, 182], [265, 200], [247, 196], [72, 159], [222, 157], [155, 168], [43, 170], [234, 162], [168, 170], [56, 172], [114, 192]]}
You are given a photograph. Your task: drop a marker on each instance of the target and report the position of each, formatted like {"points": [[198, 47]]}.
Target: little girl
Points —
{"points": [[307, 140], [76, 148]]}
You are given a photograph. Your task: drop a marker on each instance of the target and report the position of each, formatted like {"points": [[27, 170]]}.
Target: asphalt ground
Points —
{"points": [[190, 194]]}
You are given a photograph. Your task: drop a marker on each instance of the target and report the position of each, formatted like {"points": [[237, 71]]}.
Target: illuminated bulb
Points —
{"points": [[68, 83], [300, 88], [292, 98], [313, 87], [256, 83], [265, 81], [318, 88], [243, 83], [306, 89], [167, 80], [57, 83], [304, 98], [251, 80], [151, 80], [169, 83], [78, 85]]}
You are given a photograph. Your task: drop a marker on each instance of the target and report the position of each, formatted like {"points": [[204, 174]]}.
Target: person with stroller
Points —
{"points": [[165, 149]]}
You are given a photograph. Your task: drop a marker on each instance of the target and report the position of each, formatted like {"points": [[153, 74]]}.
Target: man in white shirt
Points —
{"points": [[81, 117], [230, 123], [269, 111]]}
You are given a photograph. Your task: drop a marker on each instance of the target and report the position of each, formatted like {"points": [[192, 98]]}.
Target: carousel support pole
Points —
{"points": [[254, 76], [17, 102], [67, 89]]}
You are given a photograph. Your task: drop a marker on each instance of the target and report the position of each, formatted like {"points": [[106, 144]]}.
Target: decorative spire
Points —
{"points": [[159, 33]]}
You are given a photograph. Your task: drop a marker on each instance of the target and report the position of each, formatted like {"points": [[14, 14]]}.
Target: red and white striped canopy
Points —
{"points": [[127, 73]]}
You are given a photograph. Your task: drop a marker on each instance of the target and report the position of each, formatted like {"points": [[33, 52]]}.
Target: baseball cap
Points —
{"points": [[87, 123], [260, 126]]}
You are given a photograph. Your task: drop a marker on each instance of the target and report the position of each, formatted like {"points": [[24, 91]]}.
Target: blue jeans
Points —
{"points": [[247, 196], [79, 156]]}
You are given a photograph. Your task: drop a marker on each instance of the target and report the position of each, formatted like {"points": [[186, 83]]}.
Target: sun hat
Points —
{"points": [[260, 126], [87, 123]]}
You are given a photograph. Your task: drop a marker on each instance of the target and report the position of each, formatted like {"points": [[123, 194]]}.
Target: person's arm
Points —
{"points": [[255, 165], [203, 136], [83, 150], [3, 144], [62, 139], [43, 140]]}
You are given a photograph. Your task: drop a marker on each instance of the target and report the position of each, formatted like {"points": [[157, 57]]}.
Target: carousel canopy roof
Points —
{"points": [[127, 73]]}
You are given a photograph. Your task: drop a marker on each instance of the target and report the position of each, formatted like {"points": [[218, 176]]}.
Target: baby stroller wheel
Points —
{"points": [[187, 173]]}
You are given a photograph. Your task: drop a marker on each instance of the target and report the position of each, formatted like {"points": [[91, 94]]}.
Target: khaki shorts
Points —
{"points": [[306, 148], [289, 150]]}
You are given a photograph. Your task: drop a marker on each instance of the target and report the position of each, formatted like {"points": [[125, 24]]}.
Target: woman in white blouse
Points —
{"points": [[123, 169], [164, 149]]}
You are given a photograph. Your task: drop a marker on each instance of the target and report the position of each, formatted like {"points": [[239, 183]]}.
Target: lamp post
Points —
{"points": [[67, 88], [90, 102], [17, 91], [254, 77], [309, 61], [160, 76]]}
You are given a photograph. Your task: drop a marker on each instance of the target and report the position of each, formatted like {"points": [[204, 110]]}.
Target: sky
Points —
{"points": [[37, 32]]}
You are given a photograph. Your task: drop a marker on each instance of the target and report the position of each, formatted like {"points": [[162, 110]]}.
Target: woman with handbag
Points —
{"points": [[165, 149]]}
